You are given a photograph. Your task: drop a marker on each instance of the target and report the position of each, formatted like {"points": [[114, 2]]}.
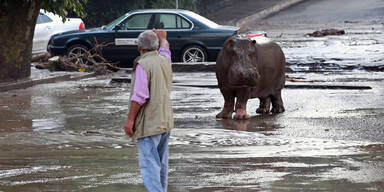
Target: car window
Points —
{"points": [[184, 23], [42, 18], [139, 21], [171, 21], [114, 22], [202, 19]]}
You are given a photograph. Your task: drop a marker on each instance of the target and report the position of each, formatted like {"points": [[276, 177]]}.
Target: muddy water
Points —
{"points": [[68, 137]]}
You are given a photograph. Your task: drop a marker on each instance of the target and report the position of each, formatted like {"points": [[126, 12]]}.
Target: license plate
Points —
{"points": [[126, 41]]}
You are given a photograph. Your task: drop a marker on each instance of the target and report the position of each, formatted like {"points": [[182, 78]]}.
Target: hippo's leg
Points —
{"points": [[265, 105], [241, 104], [229, 102], [277, 103]]}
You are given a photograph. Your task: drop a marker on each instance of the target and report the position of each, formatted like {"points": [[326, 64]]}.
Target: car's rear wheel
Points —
{"points": [[193, 54], [80, 52]]}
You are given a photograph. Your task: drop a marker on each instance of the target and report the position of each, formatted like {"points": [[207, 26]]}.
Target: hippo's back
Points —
{"points": [[271, 67]]}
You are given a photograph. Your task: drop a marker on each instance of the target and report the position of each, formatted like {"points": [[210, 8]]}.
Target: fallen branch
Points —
{"points": [[91, 61], [40, 57]]}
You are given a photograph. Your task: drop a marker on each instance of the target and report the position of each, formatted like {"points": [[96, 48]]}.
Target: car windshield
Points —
{"points": [[114, 22], [202, 19]]}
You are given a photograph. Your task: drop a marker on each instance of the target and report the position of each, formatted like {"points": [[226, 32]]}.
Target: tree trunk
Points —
{"points": [[17, 18]]}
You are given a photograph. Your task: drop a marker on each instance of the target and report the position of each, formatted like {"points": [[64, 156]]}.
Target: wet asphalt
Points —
{"points": [[68, 136]]}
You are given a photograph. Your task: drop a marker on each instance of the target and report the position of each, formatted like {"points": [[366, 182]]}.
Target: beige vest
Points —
{"points": [[156, 115]]}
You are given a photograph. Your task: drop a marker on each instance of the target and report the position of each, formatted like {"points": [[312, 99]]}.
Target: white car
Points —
{"points": [[48, 24]]}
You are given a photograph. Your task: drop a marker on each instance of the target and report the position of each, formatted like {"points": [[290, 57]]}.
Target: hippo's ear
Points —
{"points": [[257, 75], [229, 43]]}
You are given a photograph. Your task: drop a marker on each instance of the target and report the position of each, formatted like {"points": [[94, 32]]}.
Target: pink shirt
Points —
{"points": [[141, 89]]}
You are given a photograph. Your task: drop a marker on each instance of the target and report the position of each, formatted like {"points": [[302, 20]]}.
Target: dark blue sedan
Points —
{"points": [[192, 37]]}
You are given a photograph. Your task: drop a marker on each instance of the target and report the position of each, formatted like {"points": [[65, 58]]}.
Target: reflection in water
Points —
{"points": [[13, 112], [258, 123], [47, 124], [240, 125], [25, 111], [47, 113]]}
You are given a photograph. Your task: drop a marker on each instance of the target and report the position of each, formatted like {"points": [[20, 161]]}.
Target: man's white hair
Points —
{"points": [[148, 41]]}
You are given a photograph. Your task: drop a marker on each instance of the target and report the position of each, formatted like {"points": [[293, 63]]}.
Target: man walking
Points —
{"points": [[150, 116]]}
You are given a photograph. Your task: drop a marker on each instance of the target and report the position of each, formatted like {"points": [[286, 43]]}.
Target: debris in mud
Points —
{"points": [[373, 68], [43, 57], [326, 32], [90, 61], [63, 63], [291, 79], [57, 63], [120, 80], [351, 22], [88, 133]]}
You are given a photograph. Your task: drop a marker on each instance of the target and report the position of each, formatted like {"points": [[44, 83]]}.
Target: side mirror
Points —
{"points": [[117, 28]]}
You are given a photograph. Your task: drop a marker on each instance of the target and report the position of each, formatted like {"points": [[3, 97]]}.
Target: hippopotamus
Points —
{"points": [[250, 68]]}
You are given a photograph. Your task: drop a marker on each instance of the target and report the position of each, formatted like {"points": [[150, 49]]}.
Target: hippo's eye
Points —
{"points": [[233, 50], [251, 49]]}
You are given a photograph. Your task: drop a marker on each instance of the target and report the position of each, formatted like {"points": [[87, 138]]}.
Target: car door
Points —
{"points": [[178, 31], [125, 48], [42, 33]]}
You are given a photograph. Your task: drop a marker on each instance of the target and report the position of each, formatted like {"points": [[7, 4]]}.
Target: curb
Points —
{"points": [[292, 86], [267, 12], [194, 67], [29, 83]]}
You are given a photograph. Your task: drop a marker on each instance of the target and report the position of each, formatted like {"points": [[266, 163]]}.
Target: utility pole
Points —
{"points": [[177, 4]]}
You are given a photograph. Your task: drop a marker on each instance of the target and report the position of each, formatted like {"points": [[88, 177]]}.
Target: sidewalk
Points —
{"points": [[43, 77], [266, 12]]}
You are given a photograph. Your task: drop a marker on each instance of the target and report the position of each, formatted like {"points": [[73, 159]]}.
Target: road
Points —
{"points": [[68, 136], [330, 11]]}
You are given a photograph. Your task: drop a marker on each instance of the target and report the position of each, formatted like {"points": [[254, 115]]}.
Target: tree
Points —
{"points": [[102, 12], [17, 21]]}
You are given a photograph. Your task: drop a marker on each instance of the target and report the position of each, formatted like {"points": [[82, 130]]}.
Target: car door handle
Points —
{"points": [[48, 27]]}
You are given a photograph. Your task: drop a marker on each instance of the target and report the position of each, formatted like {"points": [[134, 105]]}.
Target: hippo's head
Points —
{"points": [[243, 57]]}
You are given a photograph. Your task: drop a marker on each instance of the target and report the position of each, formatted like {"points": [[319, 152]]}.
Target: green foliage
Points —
{"points": [[60, 7], [171, 4], [63, 7], [101, 12]]}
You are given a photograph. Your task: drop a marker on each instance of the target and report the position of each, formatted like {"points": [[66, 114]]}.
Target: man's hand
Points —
{"points": [[128, 128], [162, 35], [130, 123]]}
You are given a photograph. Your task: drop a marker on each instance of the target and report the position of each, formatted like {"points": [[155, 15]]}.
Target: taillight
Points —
{"points": [[82, 26], [255, 35]]}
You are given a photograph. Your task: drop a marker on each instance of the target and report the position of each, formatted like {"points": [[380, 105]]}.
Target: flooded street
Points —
{"points": [[68, 136]]}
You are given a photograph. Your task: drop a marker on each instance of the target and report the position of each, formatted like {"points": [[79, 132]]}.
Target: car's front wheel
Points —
{"points": [[80, 52], [193, 54]]}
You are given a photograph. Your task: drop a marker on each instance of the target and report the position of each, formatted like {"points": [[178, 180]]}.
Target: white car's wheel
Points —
{"points": [[193, 54], [77, 50]]}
